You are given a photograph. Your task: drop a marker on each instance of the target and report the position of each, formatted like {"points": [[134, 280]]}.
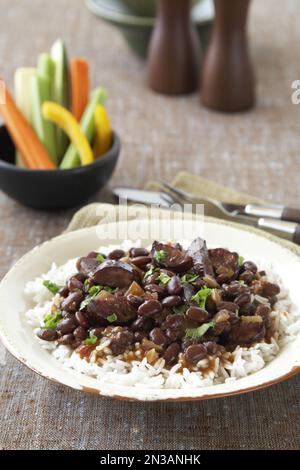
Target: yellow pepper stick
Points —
{"points": [[65, 120], [103, 137]]}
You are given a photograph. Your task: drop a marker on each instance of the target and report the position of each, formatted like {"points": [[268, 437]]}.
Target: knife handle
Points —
{"points": [[296, 237], [281, 228], [291, 214]]}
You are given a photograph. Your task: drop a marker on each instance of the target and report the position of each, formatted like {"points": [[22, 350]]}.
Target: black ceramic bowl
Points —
{"points": [[53, 189]]}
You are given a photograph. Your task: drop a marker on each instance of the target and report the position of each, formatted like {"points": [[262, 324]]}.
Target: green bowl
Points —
{"points": [[142, 8], [135, 20]]}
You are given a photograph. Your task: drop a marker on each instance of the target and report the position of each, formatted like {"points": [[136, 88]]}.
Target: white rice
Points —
{"points": [[114, 370]]}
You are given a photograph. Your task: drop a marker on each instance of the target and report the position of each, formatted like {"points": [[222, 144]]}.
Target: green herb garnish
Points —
{"points": [[241, 260], [180, 309], [200, 331], [237, 312], [51, 320], [112, 318], [111, 290], [150, 272], [94, 290], [160, 255], [85, 303], [189, 278], [201, 296], [100, 258], [51, 286], [91, 340], [163, 278]]}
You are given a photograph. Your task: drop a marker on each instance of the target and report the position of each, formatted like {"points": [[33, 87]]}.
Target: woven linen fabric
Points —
{"points": [[257, 152]]}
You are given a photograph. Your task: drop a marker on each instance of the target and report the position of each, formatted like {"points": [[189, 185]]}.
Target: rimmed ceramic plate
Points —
{"points": [[18, 337]]}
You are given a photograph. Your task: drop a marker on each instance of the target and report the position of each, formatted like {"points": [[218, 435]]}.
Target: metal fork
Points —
{"points": [[212, 207]]}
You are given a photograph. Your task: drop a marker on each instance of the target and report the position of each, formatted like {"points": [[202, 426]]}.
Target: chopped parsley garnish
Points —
{"points": [[85, 303], [160, 255], [51, 286], [200, 331], [201, 296], [91, 340], [189, 278], [93, 292], [150, 272], [100, 258], [241, 282], [180, 309], [237, 312], [241, 260], [163, 278], [112, 318], [51, 320]]}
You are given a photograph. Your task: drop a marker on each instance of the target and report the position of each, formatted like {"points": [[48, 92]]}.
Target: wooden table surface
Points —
{"points": [[257, 152]]}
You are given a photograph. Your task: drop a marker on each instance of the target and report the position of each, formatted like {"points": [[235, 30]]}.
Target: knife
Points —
{"points": [[273, 211], [283, 229], [143, 196]]}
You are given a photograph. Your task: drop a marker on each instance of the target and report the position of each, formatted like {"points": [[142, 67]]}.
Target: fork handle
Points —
{"points": [[273, 211]]}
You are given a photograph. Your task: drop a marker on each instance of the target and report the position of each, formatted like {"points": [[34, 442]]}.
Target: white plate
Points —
{"points": [[18, 337]]}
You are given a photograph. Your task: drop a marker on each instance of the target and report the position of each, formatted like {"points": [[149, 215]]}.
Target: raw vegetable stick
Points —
{"points": [[61, 89], [46, 67], [24, 137], [66, 121], [103, 134], [41, 92], [80, 86], [87, 125], [22, 79]]}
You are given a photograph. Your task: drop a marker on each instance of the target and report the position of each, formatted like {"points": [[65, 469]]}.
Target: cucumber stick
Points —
{"points": [[46, 67], [87, 125], [60, 89], [41, 92], [22, 79]]}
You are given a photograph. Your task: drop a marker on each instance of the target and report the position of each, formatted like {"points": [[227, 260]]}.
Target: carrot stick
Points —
{"points": [[24, 137], [80, 84]]}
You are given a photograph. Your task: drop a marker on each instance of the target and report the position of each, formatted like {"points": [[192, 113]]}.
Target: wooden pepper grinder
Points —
{"points": [[173, 62], [227, 80]]}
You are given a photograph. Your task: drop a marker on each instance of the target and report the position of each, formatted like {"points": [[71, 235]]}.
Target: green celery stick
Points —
{"points": [[46, 67], [61, 89], [22, 81], [87, 125], [40, 92]]}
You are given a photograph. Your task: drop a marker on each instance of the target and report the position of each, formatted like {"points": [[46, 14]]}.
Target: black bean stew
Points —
{"points": [[181, 305]]}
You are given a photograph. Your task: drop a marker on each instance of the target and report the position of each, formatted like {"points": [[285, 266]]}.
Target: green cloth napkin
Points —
{"points": [[96, 213]]}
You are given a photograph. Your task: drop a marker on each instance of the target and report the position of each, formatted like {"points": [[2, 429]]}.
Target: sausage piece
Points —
{"points": [[199, 253], [101, 308], [224, 262], [114, 274], [171, 257]]}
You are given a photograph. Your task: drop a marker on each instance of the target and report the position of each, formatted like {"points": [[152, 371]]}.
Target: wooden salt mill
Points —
{"points": [[227, 79], [173, 61]]}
